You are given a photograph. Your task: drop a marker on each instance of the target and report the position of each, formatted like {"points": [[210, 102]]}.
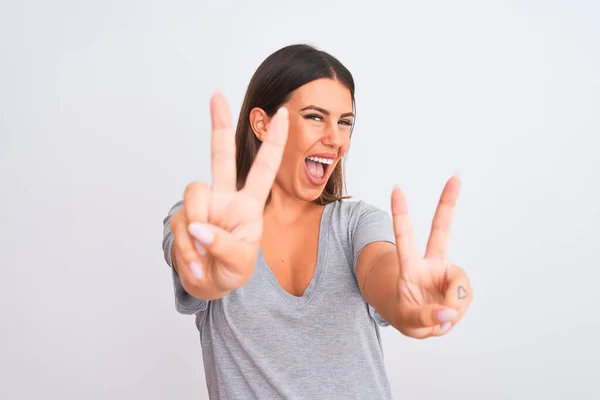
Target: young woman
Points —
{"points": [[288, 280]]}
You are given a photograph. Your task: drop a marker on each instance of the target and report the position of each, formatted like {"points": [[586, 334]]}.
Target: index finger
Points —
{"points": [[406, 244], [222, 146], [440, 228], [266, 164]]}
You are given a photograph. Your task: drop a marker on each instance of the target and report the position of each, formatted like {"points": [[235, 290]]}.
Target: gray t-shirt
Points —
{"points": [[262, 342]]}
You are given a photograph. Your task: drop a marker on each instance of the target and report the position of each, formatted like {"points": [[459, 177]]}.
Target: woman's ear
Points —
{"points": [[259, 121]]}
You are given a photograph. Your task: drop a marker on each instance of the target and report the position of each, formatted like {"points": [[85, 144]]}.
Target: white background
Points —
{"points": [[104, 120]]}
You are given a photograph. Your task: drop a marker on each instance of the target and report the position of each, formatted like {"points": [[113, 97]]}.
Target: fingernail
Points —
{"points": [[199, 248], [196, 270], [446, 315], [445, 328], [202, 233]]}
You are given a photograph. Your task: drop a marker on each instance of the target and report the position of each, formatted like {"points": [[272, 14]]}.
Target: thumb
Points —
{"points": [[233, 253], [427, 316]]}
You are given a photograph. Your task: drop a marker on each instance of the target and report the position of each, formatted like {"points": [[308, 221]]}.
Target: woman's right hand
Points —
{"points": [[218, 229]]}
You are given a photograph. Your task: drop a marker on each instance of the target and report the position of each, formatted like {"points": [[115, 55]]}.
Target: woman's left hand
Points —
{"points": [[433, 293]]}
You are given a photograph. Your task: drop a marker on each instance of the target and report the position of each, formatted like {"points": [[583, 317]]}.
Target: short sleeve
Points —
{"points": [[372, 225], [184, 302]]}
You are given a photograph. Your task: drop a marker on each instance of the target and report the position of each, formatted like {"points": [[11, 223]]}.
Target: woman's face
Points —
{"points": [[320, 121]]}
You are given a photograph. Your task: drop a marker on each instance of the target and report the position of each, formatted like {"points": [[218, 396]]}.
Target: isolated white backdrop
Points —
{"points": [[104, 120]]}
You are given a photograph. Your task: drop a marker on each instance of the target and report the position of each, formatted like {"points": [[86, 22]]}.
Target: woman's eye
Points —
{"points": [[314, 117], [346, 122]]}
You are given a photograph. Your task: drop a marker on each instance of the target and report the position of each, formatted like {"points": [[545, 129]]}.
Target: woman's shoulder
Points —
{"points": [[356, 209], [354, 216], [358, 223]]}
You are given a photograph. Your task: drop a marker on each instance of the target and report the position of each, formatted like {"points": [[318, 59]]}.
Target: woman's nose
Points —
{"points": [[333, 137]]}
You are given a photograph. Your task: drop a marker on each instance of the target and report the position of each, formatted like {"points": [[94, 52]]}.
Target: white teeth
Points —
{"points": [[327, 161]]}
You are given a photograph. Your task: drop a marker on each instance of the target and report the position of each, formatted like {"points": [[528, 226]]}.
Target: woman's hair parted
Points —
{"points": [[271, 86]]}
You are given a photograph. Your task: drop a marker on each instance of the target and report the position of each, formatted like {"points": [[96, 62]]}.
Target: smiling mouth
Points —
{"points": [[317, 167]]}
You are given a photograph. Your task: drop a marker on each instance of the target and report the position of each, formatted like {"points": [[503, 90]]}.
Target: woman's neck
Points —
{"points": [[287, 209]]}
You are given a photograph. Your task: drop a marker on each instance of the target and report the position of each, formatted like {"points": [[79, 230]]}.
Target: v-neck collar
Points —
{"points": [[301, 301]]}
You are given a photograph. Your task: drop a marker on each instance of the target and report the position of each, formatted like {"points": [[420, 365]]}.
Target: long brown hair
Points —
{"points": [[271, 86]]}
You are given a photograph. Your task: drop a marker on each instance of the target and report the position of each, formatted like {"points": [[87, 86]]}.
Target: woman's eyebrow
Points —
{"points": [[324, 111]]}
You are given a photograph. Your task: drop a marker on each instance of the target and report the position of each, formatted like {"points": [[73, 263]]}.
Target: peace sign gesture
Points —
{"points": [[433, 294], [217, 231]]}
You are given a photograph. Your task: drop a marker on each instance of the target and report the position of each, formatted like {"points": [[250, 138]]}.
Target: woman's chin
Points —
{"points": [[310, 192], [307, 189]]}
